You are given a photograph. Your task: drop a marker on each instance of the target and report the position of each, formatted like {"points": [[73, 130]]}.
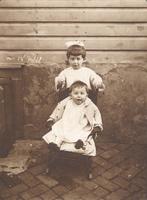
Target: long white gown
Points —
{"points": [[71, 127]]}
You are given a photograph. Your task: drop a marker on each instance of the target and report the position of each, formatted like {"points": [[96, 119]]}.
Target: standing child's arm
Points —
{"points": [[60, 81], [96, 82]]}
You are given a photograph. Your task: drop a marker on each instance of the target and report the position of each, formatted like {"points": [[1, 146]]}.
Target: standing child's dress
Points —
{"points": [[69, 75]]}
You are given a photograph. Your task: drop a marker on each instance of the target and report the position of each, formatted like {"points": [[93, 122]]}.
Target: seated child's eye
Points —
{"points": [[75, 93]]}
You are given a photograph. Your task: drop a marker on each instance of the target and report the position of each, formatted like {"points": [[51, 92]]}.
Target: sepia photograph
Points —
{"points": [[73, 99]]}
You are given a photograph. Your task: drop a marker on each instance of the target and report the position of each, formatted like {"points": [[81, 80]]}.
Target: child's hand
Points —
{"points": [[60, 85], [49, 123], [101, 88], [96, 131]]}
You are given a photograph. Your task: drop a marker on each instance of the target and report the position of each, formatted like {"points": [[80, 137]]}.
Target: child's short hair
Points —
{"points": [[76, 50], [78, 84]]}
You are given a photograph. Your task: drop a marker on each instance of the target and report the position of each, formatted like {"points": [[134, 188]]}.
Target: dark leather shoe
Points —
{"points": [[79, 144], [53, 147]]}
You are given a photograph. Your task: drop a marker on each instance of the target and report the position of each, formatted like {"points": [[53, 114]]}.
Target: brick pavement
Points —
{"points": [[120, 173]]}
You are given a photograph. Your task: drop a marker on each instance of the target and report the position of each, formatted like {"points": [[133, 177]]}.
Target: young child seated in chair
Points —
{"points": [[74, 120]]}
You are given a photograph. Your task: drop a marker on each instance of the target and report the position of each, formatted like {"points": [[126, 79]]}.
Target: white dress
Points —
{"points": [[84, 74], [71, 127]]}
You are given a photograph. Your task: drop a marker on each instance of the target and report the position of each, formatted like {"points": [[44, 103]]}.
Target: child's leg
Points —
{"points": [[53, 141], [53, 147], [56, 144], [89, 167], [53, 157]]}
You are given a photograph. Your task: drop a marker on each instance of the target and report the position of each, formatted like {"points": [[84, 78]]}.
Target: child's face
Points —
{"points": [[79, 95], [75, 61]]}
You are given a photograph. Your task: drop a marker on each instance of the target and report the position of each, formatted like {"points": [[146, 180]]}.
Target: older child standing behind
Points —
{"points": [[76, 56]]}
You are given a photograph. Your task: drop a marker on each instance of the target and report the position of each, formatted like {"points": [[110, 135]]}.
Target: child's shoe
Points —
{"points": [[79, 144], [53, 147]]}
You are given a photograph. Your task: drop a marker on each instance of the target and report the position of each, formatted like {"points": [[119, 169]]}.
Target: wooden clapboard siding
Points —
{"points": [[36, 30], [74, 15], [94, 43], [72, 3], [70, 29]]}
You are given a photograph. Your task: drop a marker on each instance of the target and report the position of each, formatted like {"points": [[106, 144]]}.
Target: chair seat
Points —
{"points": [[89, 150], [60, 159]]}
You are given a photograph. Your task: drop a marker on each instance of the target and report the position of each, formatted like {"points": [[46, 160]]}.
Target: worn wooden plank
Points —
{"points": [[71, 3], [15, 57], [58, 43], [69, 29], [73, 15]]}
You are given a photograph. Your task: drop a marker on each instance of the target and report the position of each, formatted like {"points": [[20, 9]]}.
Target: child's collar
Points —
{"points": [[87, 101]]}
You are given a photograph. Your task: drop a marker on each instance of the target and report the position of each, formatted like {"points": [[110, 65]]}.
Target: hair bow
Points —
{"points": [[75, 42]]}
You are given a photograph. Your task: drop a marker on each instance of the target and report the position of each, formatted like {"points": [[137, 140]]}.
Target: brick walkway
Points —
{"points": [[119, 174]]}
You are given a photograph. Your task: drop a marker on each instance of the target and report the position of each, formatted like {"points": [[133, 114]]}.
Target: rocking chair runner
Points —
{"points": [[72, 156]]}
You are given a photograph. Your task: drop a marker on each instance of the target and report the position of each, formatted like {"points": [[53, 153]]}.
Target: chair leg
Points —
{"points": [[51, 161], [89, 167]]}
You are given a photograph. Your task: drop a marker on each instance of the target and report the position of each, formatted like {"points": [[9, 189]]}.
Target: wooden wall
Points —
{"points": [[34, 31]]}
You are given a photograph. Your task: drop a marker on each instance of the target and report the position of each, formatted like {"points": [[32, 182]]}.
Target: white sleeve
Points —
{"points": [[96, 81], [60, 80], [59, 109]]}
